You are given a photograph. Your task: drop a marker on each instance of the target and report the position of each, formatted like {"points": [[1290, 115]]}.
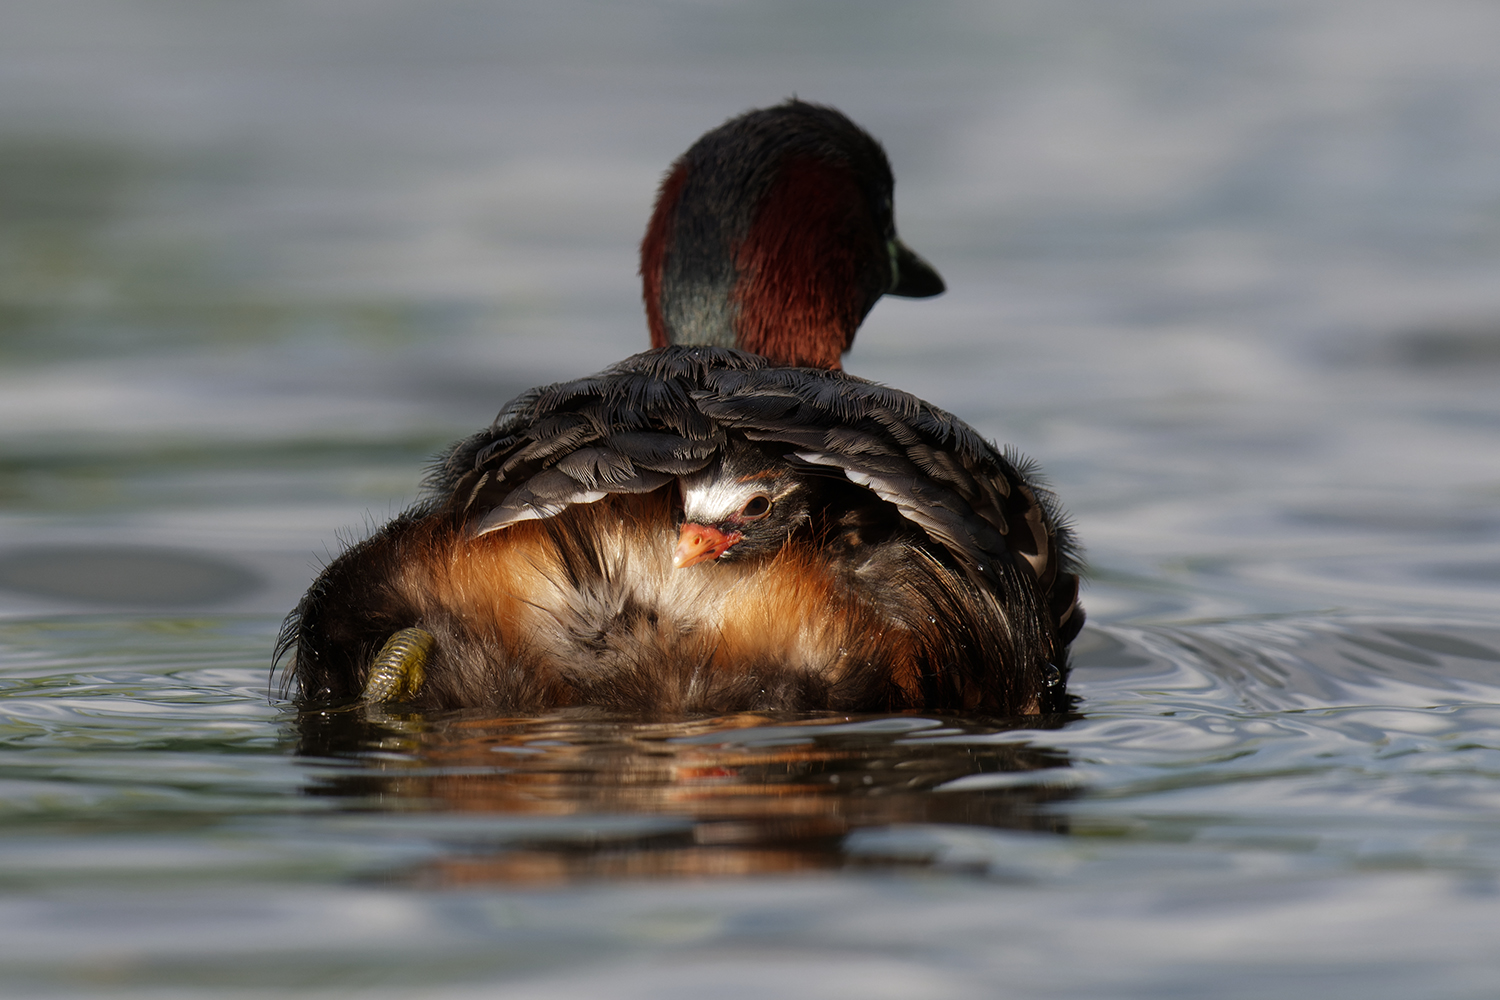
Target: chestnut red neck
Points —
{"points": [[774, 234]]}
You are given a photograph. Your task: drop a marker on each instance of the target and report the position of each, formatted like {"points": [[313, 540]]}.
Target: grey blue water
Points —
{"points": [[1230, 272]]}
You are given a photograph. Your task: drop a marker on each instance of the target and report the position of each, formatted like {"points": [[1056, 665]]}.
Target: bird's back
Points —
{"points": [[934, 574]]}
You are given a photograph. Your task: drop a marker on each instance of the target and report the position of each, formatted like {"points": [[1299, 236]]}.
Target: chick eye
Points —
{"points": [[758, 506]]}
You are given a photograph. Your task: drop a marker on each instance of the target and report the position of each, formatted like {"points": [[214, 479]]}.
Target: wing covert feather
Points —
{"points": [[668, 412]]}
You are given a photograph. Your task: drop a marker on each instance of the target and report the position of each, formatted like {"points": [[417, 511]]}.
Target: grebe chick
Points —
{"points": [[747, 504]]}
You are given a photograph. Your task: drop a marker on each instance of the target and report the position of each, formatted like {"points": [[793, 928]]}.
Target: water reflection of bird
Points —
{"points": [[700, 529], [731, 795]]}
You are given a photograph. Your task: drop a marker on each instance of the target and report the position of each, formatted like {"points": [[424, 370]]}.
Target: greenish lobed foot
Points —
{"points": [[399, 668]]}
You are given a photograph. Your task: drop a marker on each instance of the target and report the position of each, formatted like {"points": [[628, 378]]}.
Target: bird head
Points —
{"points": [[745, 504], [776, 233]]}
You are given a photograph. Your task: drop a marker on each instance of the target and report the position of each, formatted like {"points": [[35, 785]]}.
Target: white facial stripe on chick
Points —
{"points": [[709, 498]]}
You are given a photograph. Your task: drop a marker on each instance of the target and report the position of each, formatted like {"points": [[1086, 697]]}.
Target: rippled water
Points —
{"points": [[1226, 270]]}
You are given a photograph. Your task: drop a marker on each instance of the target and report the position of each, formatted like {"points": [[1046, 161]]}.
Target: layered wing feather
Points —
{"points": [[667, 413]]}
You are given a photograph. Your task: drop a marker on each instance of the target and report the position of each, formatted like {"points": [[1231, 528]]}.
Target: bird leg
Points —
{"points": [[399, 668]]}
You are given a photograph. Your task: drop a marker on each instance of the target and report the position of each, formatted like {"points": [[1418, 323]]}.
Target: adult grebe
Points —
{"points": [[704, 528]]}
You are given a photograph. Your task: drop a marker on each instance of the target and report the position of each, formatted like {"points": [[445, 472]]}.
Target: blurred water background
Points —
{"points": [[1229, 271]]}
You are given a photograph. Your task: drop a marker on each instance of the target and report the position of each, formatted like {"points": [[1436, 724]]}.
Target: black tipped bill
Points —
{"points": [[911, 276]]}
